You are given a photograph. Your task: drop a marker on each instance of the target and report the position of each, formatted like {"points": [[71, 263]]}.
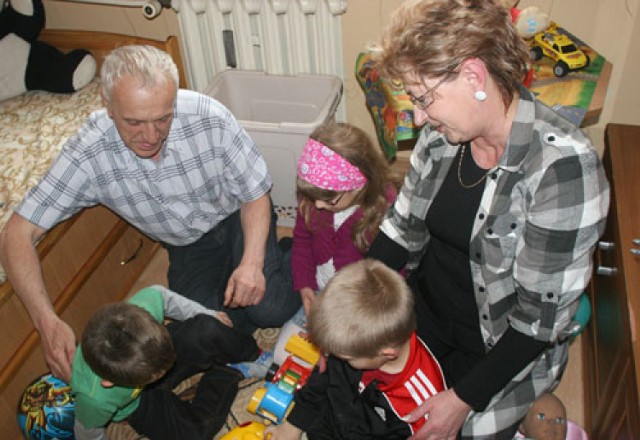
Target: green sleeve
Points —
{"points": [[151, 300]]}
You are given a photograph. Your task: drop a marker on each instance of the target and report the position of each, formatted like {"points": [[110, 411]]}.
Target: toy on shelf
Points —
{"points": [[274, 400], [246, 431], [528, 21], [560, 48], [389, 105]]}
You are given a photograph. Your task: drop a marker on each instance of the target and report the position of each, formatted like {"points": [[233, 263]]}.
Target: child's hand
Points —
{"points": [[223, 318], [308, 296], [285, 431]]}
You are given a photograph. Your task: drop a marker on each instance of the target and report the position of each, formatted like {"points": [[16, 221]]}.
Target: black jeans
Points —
{"points": [[200, 271], [201, 343]]}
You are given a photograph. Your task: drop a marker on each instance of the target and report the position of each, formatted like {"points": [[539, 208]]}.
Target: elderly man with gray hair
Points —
{"points": [[176, 165]]}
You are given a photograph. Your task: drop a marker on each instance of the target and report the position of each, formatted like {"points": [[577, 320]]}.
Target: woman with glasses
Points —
{"points": [[497, 218]]}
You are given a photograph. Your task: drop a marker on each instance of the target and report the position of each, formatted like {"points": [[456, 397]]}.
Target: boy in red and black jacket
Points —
{"points": [[377, 370]]}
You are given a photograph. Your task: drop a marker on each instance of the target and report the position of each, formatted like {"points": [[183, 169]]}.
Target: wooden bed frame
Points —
{"points": [[91, 259]]}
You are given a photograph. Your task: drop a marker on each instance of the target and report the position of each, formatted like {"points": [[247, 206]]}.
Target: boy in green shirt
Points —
{"points": [[128, 362]]}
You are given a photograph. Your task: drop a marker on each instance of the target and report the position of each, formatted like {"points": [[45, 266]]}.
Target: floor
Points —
{"points": [[569, 391]]}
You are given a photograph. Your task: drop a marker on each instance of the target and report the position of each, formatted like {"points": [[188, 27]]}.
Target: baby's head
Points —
{"points": [[546, 419], [365, 308], [124, 345]]}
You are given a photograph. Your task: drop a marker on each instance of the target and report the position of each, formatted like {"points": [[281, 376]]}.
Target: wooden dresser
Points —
{"points": [[611, 346]]}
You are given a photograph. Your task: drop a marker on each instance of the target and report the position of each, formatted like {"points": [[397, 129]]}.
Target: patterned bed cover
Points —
{"points": [[33, 129]]}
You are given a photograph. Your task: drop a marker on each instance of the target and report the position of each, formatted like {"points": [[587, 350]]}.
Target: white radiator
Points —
{"points": [[275, 36]]}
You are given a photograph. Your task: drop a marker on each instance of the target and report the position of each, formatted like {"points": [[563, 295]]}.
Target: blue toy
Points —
{"points": [[275, 399], [582, 315], [46, 410]]}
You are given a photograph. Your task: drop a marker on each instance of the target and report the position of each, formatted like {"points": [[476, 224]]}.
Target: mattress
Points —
{"points": [[33, 128]]}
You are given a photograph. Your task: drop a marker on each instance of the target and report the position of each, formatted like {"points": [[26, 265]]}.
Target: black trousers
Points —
{"points": [[202, 344]]}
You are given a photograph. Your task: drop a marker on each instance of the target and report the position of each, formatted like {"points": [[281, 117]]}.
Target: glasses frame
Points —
{"points": [[423, 101], [335, 200]]}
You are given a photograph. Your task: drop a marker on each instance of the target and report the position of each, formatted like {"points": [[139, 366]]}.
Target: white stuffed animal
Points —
{"points": [[527, 21], [29, 64]]}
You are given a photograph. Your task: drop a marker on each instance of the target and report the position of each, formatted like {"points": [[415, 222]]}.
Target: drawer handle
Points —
{"points": [[606, 245], [635, 251], [133, 256], [636, 241], [607, 271]]}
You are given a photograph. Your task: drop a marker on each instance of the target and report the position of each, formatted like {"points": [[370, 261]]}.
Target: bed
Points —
{"points": [[91, 259]]}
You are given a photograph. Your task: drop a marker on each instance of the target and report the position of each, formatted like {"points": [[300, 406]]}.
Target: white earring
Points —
{"points": [[481, 95]]}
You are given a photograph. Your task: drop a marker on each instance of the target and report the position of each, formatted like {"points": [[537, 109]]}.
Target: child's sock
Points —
{"points": [[256, 369]]}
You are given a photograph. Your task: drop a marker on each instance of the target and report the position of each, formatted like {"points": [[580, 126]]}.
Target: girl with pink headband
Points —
{"points": [[345, 186]]}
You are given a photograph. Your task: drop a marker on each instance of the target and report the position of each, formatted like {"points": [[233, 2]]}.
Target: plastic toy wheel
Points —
{"points": [[254, 403], [271, 372], [535, 53], [560, 69]]}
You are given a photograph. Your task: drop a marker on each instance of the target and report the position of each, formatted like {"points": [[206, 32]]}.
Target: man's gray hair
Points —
{"points": [[147, 63]]}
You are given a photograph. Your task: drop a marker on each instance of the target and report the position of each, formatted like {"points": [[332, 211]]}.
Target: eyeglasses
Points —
{"points": [[426, 99], [336, 200]]}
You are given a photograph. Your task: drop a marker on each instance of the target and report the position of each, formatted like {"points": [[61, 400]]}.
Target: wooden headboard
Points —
{"points": [[101, 43]]}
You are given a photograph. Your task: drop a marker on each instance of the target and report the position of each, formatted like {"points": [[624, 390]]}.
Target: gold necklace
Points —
{"points": [[464, 147]]}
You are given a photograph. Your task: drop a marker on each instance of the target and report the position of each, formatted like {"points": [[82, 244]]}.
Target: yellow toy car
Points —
{"points": [[560, 48], [246, 431]]}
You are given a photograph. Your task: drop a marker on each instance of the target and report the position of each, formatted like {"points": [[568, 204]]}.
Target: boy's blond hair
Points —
{"points": [[364, 308]]}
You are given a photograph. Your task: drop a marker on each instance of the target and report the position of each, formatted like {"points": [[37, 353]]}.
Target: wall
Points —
{"points": [[128, 21], [626, 104], [591, 20]]}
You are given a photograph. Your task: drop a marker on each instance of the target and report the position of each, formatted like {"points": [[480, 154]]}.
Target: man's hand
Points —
{"points": [[445, 415], [59, 345], [20, 260], [246, 286]]}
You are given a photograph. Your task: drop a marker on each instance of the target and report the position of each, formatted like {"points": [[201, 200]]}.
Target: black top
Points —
{"points": [[446, 309], [444, 274]]}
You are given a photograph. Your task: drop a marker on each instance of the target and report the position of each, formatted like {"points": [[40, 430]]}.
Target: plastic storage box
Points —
{"points": [[279, 112]]}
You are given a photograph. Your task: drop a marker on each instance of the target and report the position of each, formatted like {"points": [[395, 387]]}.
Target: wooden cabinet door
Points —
{"points": [[611, 390], [609, 324], [624, 144]]}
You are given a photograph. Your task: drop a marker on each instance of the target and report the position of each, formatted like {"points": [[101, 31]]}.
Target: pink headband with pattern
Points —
{"points": [[321, 166]]}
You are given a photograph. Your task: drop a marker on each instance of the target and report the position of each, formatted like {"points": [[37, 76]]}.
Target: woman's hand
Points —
{"points": [[445, 414], [284, 431]]}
